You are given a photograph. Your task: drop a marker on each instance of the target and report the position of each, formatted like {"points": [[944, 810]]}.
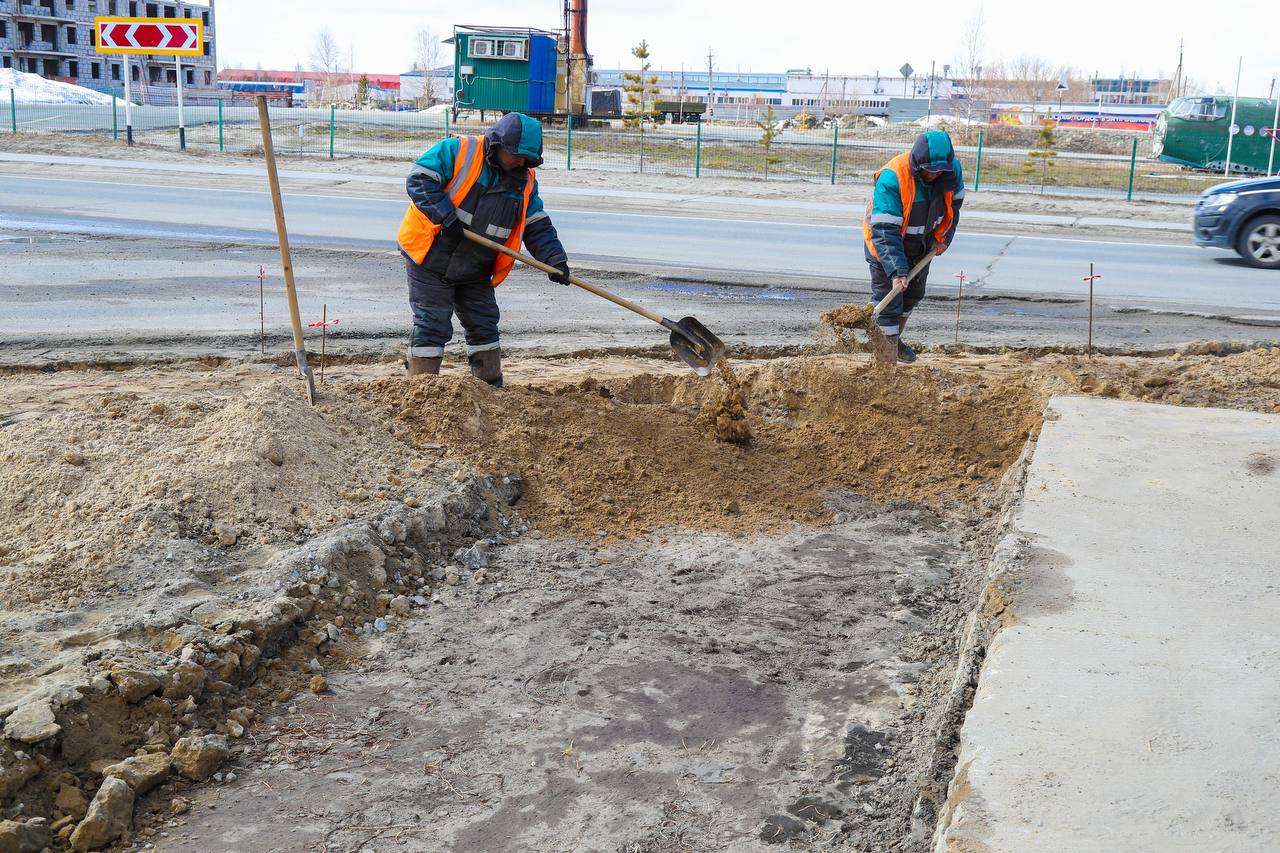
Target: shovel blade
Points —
{"points": [[695, 345]]}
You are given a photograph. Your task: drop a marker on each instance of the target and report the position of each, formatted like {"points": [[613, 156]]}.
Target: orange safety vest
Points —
{"points": [[417, 232], [901, 166]]}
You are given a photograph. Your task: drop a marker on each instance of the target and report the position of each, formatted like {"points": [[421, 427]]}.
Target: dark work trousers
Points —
{"points": [[891, 317], [434, 300]]}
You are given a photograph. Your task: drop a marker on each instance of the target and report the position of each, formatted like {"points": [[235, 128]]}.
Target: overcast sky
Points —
{"points": [[1107, 36]]}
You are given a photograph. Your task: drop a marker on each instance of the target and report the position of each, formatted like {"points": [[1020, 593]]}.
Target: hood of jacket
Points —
{"points": [[518, 134]]}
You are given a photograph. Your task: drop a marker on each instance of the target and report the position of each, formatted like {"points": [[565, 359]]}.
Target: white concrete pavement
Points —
{"points": [[1134, 702]]}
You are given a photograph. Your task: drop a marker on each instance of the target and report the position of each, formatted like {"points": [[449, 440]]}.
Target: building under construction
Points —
{"points": [[56, 39]]}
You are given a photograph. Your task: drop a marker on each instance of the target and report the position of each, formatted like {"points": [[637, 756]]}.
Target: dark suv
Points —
{"points": [[1244, 216]]}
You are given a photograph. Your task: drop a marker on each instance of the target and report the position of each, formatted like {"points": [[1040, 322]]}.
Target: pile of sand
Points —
{"points": [[618, 461], [81, 489]]}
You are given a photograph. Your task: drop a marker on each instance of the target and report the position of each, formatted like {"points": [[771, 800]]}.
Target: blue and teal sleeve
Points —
{"points": [[427, 180], [885, 220]]}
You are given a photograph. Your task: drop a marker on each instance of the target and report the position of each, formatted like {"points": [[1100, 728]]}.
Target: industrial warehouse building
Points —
{"points": [[55, 39]]}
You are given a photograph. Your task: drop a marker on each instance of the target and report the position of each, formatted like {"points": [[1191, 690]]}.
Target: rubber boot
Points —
{"points": [[424, 366], [906, 354], [486, 366], [890, 356]]}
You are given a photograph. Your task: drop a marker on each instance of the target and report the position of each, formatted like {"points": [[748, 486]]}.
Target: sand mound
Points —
{"points": [[628, 461], [81, 489]]}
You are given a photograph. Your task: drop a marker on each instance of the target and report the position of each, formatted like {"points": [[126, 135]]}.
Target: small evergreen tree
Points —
{"points": [[642, 90], [768, 132], [362, 90], [1042, 155]]}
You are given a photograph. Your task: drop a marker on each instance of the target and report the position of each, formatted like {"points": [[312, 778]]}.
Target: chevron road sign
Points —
{"points": [[158, 36], [176, 37]]}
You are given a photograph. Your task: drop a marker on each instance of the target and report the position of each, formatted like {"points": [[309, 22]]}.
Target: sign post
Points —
{"points": [[176, 37], [182, 124], [128, 104]]}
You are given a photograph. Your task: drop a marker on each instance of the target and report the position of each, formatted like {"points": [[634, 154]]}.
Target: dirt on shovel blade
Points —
{"points": [[846, 318]]}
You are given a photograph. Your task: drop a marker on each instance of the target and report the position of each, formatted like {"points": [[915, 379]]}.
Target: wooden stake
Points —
{"points": [[269, 152], [324, 336], [959, 296], [1091, 279], [262, 310]]}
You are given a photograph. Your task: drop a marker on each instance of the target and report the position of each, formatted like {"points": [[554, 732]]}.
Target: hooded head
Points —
{"points": [[517, 134], [932, 155]]}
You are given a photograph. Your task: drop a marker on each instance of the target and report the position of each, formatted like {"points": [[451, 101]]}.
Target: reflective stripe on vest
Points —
{"points": [[417, 232], [503, 265], [901, 166]]}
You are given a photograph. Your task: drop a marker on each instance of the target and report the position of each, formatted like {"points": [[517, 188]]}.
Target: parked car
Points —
{"points": [[1244, 216]]}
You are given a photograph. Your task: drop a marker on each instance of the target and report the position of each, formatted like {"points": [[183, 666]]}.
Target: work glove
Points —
{"points": [[561, 277], [939, 249], [454, 229]]}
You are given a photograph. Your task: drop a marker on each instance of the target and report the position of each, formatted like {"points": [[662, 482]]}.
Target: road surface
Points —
{"points": [[1004, 263]]}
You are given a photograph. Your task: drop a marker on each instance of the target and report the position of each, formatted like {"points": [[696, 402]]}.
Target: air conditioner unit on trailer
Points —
{"points": [[514, 49], [482, 47]]}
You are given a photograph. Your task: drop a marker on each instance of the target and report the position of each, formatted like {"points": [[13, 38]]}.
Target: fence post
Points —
{"points": [[835, 141], [332, 120], [977, 172], [446, 123], [222, 142], [13, 110], [697, 161], [1133, 162], [569, 151], [115, 121]]}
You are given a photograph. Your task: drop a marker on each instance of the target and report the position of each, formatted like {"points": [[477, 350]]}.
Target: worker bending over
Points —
{"points": [[484, 184], [914, 209]]}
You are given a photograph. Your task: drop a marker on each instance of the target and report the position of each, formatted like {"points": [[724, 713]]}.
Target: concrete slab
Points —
{"points": [[1132, 703]]}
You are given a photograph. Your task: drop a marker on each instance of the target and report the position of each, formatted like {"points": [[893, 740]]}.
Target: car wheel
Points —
{"points": [[1259, 242]]}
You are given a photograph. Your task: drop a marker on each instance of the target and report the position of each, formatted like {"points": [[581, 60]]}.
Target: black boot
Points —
{"points": [[486, 366], [906, 354]]}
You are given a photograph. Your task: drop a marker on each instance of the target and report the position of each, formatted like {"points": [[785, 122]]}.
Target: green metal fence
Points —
{"points": [[1104, 164]]}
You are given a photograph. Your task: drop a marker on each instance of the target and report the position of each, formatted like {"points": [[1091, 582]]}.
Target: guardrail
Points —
{"points": [[830, 155]]}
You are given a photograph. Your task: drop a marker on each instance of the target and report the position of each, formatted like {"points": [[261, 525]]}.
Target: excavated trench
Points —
{"points": [[566, 594]]}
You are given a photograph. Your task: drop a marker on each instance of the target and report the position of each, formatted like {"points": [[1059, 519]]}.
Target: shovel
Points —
{"points": [[893, 292], [692, 342]]}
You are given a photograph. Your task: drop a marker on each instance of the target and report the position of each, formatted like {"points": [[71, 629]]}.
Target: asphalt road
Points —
{"points": [[1167, 273]]}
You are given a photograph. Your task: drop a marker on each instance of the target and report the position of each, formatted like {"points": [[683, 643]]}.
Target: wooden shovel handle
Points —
{"points": [[547, 268], [893, 292]]}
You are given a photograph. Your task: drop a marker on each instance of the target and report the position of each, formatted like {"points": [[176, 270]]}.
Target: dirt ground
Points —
{"points": [[558, 616]]}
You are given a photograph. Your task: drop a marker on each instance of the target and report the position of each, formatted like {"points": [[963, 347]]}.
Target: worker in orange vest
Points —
{"points": [[914, 209], [486, 185]]}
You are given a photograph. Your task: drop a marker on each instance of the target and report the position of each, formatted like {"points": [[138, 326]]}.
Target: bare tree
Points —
{"points": [[969, 62], [326, 57], [426, 49]]}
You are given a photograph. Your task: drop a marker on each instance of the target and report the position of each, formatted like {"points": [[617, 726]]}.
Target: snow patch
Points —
{"points": [[34, 89]]}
